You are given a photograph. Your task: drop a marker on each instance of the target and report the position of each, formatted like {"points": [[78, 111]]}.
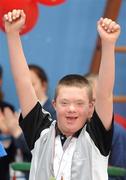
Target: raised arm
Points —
{"points": [[109, 32], [14, 22]]}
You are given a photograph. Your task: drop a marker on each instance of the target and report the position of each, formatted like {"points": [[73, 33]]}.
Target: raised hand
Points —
{"points": [[14, 21], [11, 122], [108, 30], [3, 127]]}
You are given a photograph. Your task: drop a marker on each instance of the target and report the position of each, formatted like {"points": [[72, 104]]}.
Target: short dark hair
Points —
{"points": [[39, 72], [74, 80]]}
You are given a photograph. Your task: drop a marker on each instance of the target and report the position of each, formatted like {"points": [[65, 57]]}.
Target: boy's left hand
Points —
{"points": [[108, 30]]}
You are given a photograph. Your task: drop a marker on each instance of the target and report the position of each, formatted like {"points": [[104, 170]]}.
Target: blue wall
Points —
{"points": [[62, 42], [120, 85]]}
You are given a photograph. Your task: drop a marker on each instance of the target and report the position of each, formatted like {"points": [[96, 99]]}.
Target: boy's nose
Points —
{"points": [[72, 107]]}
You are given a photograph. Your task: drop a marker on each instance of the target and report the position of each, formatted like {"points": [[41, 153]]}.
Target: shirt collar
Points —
{"points": [[58, 132]]}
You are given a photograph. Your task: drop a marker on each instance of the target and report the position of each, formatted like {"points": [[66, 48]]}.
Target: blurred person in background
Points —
{"points": [[118, 149], [5, 137]]}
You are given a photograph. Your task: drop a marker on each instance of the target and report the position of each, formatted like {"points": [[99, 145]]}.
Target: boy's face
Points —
{"points": [[72, 108]]}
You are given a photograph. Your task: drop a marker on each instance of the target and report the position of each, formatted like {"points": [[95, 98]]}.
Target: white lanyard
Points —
{"points": [[64, 148]]}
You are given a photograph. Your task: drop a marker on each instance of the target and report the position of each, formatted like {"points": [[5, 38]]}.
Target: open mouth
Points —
{"points": [[71, 119]]}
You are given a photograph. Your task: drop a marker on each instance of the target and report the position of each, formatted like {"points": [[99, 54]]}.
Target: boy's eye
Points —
{"points": [[80, 103], [64, 103]]}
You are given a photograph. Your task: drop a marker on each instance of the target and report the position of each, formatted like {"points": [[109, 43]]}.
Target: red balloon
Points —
{"points": [[50, 2], [30, 8]]}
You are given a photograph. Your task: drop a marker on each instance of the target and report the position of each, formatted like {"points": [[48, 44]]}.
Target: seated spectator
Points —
{"points": [[40, 83], [6, 138], [118, 150]]}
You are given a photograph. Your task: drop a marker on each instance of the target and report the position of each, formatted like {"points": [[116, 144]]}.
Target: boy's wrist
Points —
{"points": [[108, 43], [12, 33]]}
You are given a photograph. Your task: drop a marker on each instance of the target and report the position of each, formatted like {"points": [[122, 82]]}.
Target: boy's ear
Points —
{"points": [[91, 109], [54, 104]]}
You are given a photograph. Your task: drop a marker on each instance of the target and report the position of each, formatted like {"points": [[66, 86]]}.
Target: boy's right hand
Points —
{"points": [[14, 21]]}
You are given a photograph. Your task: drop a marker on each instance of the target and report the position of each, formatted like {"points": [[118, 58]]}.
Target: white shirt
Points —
{"points": [[63, 158]]}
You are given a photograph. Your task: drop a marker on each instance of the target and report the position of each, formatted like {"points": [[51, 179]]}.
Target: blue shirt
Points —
{"points": [[2, 151]]}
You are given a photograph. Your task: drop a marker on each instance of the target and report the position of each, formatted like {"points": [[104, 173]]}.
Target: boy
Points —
{"points": [[73, 147]]}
